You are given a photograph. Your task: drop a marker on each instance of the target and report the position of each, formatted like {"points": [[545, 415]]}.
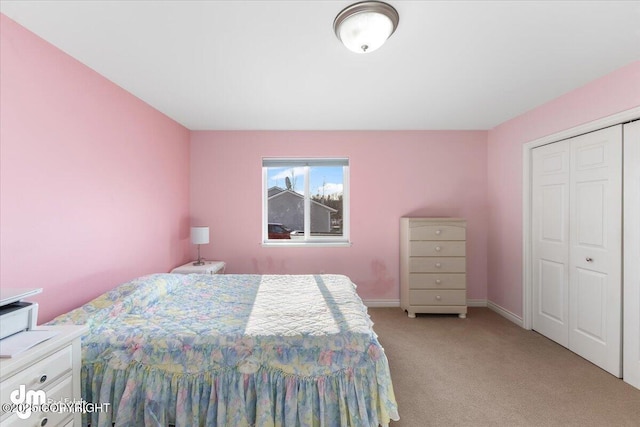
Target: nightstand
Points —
{"points": [[209, 267], [51, 368]]}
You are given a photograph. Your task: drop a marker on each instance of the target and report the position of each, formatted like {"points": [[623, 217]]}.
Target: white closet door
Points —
{"points": [[631, 346], [577, 244], [595, 251], [550, 231]]}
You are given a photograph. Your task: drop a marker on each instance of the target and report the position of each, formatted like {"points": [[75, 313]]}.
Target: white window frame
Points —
{"points": [[307, 240]]}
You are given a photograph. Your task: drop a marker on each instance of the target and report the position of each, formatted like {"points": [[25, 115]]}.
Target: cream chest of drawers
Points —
{"points": [[53, 367], [433, 266]]}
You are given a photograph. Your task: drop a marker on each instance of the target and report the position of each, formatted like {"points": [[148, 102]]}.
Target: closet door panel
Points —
{"points": [[550, 230], [590, 217], [552, 293], [631, 372], [592, 307], [595, 261]]}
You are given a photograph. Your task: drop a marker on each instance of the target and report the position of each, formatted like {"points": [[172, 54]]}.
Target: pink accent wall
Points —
{"points": [[94, 182], [613, 93], [393, 174]]}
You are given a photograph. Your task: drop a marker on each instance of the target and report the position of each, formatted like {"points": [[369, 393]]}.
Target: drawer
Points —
{"points": [[437, 232], [438, 297], [40, 374], [437, 248], [57, 393], [437, 265], [437, 281]]}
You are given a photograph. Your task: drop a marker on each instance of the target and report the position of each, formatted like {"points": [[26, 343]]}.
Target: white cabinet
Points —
{"points": [[433, 266], [51, 369]]}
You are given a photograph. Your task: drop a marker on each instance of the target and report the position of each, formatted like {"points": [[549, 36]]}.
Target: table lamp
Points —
{"points": [[199, 236]]}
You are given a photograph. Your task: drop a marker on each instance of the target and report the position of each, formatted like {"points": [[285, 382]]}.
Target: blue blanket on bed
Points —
{"points": [[234, 350]]}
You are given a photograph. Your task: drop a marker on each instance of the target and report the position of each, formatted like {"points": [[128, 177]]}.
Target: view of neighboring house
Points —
{"points": [[286, 207]]}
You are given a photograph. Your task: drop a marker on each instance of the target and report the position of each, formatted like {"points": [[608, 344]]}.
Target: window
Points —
{"points": [[305, 201]]}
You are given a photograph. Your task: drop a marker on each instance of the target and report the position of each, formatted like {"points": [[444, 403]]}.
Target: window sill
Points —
{"points": [[312, 244]]}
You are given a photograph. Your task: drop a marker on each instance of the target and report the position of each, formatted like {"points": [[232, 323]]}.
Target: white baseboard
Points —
{"points": [[505, 313], [381, 302], [476, 303]]}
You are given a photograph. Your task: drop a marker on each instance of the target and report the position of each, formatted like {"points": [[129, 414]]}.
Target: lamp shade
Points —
{"points": [[199, 235], [364, 27]]}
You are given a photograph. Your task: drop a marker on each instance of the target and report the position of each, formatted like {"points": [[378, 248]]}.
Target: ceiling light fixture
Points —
{"points": [[364, 27]]}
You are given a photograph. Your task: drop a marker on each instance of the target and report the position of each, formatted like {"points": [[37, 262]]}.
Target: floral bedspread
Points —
{"points": [[233, 350]]}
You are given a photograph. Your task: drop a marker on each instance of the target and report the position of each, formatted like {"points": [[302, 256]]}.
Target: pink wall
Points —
{"points": [[613, 93], [393, 174], [89, 175], [94, 182]]}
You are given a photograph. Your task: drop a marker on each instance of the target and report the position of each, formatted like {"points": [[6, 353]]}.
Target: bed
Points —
{"points": [[233, 350]]}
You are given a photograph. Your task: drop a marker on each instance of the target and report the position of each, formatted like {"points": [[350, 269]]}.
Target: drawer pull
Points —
{"points": [[438, 281], [438, 248], [438, 232], [44, 421], [438, 297], [43, 379], [438, 265]]}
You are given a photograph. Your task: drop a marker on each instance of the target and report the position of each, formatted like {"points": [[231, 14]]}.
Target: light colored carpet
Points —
{"points": [[487, 371]]}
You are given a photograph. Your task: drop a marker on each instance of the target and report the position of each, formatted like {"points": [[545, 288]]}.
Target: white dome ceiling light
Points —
{"points": [[364, 27]]}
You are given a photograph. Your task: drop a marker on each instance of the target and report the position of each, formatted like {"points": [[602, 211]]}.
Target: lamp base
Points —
{"points": [[200, 260]]}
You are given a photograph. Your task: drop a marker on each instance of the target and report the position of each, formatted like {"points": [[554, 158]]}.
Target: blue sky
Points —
{"points": [[328, 176]]}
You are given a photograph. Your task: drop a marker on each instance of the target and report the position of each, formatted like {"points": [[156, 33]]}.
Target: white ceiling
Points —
{"points": [[277, 64]]}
